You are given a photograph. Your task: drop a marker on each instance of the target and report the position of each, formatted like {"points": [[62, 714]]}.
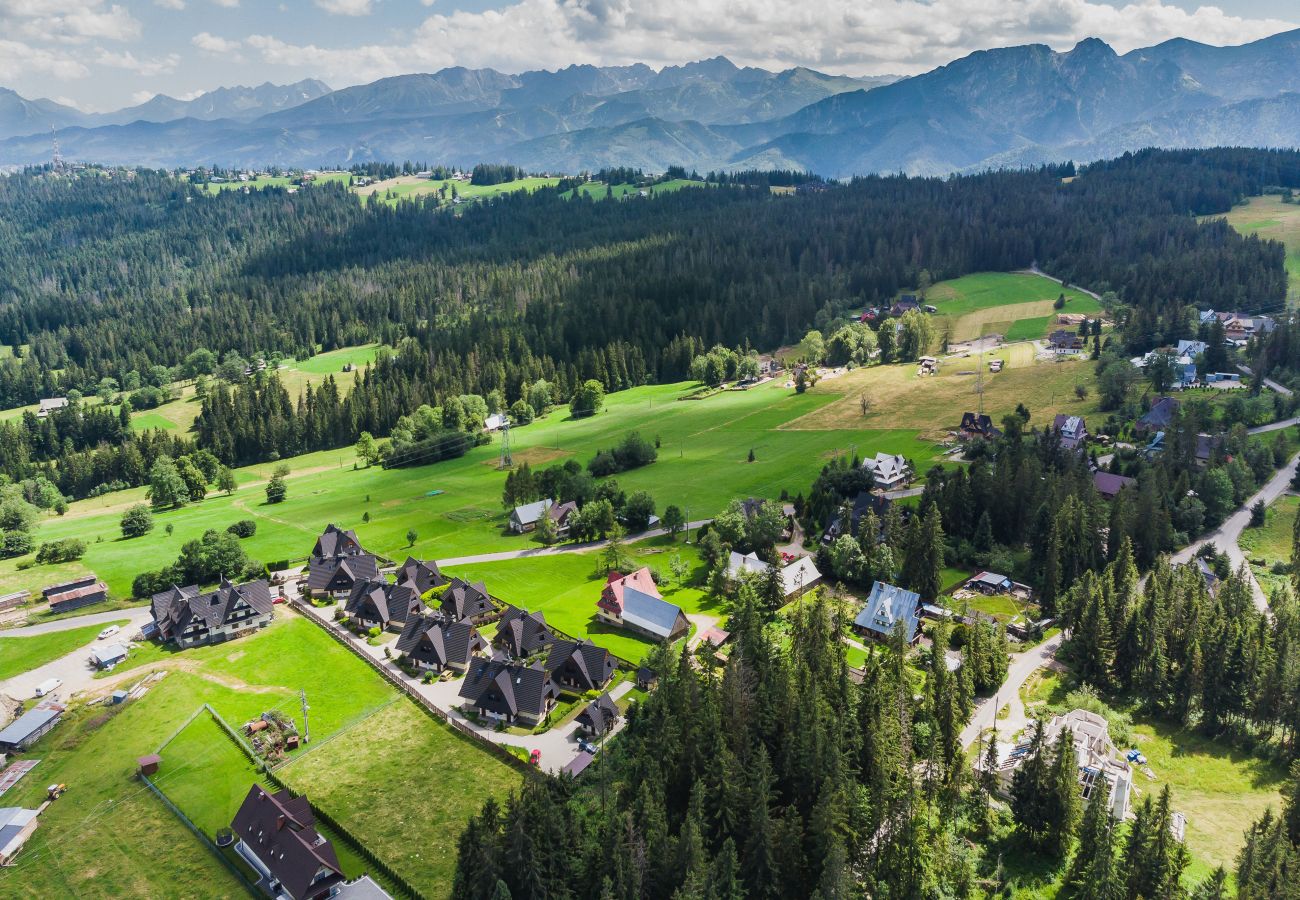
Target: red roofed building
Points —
{"points": [[634, 602]]}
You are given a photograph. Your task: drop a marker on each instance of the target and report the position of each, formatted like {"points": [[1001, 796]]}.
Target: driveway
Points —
{"points": [[1225, 537], [1008, 694], [1274, 426], [74, 670], [136, 615]]}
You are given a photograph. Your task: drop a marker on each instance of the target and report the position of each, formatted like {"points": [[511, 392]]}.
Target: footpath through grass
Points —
{"points": [[22, 654]]}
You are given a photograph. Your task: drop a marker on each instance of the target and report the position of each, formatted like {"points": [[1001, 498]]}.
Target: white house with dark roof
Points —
{"points": [[889, 471], [277, 837], [337, 563]]}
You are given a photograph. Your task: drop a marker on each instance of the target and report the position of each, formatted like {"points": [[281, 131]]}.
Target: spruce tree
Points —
{"points": [[1091, 875], [1063, 799]]}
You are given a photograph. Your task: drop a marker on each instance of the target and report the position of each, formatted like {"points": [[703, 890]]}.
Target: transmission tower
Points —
{"points": [[506, 461], [306, 729], [56, 160], [979, 377]]}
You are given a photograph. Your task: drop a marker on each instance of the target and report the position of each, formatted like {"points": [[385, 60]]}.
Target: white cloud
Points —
{"points": [[211, 43], [228, 4], [139, 97], [347, 7], [69, 21], [18, 60], [146, 67], [852, 36], [170, 4]]}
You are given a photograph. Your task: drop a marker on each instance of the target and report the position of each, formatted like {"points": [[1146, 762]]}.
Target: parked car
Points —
{"points": [[109, 631], [48, 686], [587, 747]]}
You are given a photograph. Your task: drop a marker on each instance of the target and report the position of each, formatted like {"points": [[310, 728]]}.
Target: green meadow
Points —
{"points": [[702, 465], [22, 654], [1270, 218], [1017, 305]]}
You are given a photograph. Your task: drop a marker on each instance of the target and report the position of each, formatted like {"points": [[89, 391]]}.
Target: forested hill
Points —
{"points": [[101, 276]]}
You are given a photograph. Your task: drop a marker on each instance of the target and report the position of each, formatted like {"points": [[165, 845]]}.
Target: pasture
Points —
{"points": [[1270, 218], [599, 189], [704, 447], [1017, 305], [280, 181], [407, 187]]}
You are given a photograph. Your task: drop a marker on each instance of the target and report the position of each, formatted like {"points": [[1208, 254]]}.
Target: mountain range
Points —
{"points": [[1002, 107]]}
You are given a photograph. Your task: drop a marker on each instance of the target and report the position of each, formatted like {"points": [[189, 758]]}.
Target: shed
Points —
{"points": [[28, 728], [108, 655], [578, 764], [149, 764], [119, 696]]}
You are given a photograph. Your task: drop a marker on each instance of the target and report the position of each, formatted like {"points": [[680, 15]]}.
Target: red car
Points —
{"points": [[535, 758]]}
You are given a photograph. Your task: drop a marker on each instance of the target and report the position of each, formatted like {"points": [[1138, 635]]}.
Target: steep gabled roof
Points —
{"points": [[600, 714], [521, 633], [340, 572], [383, 601], [431, 639], [280, 830], [591, 665], [887, 605], [334, 541], [462, 600], [508, 688], [529, 513], [175, 609], [423, 573]]}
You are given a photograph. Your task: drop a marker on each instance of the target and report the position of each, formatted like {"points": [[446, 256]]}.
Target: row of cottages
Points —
{"points": [[188, 617], [796, 578], [634, 602], [1096, 756], [448, 637], [1239, 327], [524, 519], [889, 471], [338, 563]]}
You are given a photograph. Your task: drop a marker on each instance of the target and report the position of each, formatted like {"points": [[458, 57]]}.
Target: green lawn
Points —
{"points": [[598, 189], [277, 181], [702, 466], [22, 654], [1271, 542], [408, 187], [1017, 305], [416, 828], [566, 587]]}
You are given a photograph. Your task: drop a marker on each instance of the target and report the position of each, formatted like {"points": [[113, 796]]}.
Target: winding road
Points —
{"points": [[986, 709]]}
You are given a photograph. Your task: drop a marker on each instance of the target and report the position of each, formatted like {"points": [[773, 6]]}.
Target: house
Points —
{"points": [[889, 471], [520, 633], [1109, 485], [49, 405], [278, 838], [16, 826], [975, 425], [107, 656], [525, 518], [381, 604], [887, 607], [433, 644], [1190, 349], [903, 304], [1073, 431], [1158, 417], [189, 618], [1095, 754], [634, 602], [799, 576], [599, 717], [422, 575], [865, 502], [509, 692], [562, 515], [337, 563], [30, 727], [739, 565], [462, 600], [1207, 575], [990, 583], [1063, 342], [1206, 445], [646, 678], [84, 591], [579, 666]]}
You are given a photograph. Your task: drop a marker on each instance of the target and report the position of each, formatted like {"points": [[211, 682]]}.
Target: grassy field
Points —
{"points": [[1016, 305], [92, 841], [348, 776], [1269, 217], [566, 587], [905, 403], [702, 466], [599, 189], [1271, 542], [407, 187], [22, 654], [276, 181]]}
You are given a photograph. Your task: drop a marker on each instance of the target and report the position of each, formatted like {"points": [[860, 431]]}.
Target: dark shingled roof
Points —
{"points": [[280, 831], [581, 662], [600, 714], [423, 574], [508, 688], [338, 561], [463, 600], [430, 639], [384, 602], [174, 610], [521, 633]]}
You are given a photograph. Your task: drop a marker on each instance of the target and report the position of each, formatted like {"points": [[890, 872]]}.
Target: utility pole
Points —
{"points": [[506, 461], [306, 728]]}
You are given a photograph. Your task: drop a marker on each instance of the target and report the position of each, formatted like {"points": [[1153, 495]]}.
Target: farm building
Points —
{"points": [[634, 602], [17, 598], [521, 633], [431, 644], [1065, 342], [16, 826], [190, 618], [278, 838], [49, 405], [599, 717], [84, 591], [887, 607], [509, 692], [107, 656], [990, 583], [579, 666], [30, 727], [337, 563]]}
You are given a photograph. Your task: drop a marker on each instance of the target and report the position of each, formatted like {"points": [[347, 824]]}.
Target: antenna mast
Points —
{"points": [[506, 461], [56, 159]]}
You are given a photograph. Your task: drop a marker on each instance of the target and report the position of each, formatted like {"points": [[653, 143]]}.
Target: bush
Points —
{"points": [[62, 551], [16, 543], [137, 521], [603, 464], [147, 584], [373, 631], [276, 489], [244, 528]]}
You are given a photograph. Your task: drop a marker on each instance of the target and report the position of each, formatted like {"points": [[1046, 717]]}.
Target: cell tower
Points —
{"points": [[979, 377], [506, 461], [56, 159]]}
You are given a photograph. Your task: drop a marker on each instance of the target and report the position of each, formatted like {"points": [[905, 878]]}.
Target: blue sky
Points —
{"points": [[104, 54]]}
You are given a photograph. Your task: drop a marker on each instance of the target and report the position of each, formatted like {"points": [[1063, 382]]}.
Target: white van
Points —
{"points": [[49, 686]]}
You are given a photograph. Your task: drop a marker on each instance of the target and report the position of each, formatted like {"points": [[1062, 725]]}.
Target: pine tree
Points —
{"points": [[1030, 789], [1064, 801], [1091, 875]]}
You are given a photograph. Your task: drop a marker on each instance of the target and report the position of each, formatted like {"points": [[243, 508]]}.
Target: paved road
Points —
{"points": [[1274, 386], [136, 615], [1274, 426], [1225, 537], [1037, 271], [986, 710], [530, 552]]}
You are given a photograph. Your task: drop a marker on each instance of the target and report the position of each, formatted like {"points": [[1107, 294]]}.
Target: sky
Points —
{"points": [[100, 55]]}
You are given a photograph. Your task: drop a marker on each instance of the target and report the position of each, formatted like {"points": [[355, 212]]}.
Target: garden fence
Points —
{"points": [[203, 838]]}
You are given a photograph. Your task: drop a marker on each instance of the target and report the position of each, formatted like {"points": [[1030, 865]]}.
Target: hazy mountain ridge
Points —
{"points": [[1004, 106]]}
